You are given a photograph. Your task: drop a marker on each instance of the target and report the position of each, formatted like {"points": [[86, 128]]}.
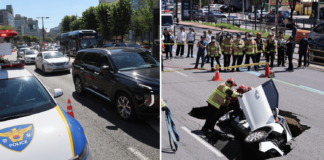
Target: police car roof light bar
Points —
{"points": [[19, 64]]}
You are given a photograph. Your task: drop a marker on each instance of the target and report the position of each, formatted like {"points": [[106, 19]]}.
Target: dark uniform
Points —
{"points": [[290, 51], [281, 51], [303, 44], [260, 49], [270, 49]]}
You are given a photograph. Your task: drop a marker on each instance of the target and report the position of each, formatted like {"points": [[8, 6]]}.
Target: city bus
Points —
{"points": [[72, 42]]}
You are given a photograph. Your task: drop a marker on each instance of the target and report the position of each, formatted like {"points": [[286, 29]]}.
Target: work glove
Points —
{"points": [[163, 108], [240, 95]]}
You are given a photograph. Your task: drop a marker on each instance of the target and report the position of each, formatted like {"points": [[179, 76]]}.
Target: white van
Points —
{"points": [[167, 21]]}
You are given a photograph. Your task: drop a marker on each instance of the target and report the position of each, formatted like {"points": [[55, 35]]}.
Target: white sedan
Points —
{"points": [[29, 56], [52, 61]]}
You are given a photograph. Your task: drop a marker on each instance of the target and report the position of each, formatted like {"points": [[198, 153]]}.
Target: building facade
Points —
{"points": [[6, 18]]}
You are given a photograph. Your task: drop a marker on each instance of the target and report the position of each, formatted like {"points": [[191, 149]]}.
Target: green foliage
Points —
{"points": [[103, 14], [89, 19], [26, 38], [74, 25], [17, 38], [121, 17], [48, 39], [65, 24], [34, 38], [73, 17], [6, 28], [57, 38], [138, 24]]}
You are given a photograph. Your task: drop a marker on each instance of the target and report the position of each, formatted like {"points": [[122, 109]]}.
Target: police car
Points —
{"points": [[32, 124]]}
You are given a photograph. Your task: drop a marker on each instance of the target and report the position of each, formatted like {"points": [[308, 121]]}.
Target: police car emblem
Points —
{"points": [[17, 138]]}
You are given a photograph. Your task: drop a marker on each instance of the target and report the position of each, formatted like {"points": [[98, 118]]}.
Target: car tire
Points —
{"points": [[79, 86], [123, 105], [36, 66], [43, 69], [254, 138]]}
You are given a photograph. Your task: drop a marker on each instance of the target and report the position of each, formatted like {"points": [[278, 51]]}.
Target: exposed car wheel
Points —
{"points": [[222, 120], [43, 69], [125, 107], [255, 137], [78, 86]]}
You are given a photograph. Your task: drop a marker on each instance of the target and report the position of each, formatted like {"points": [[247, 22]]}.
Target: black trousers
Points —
{"points": [[268, 56], [227, 59], [247, 60], [281, 57], [180, 47], [257, 57], [212, 62], [190, 49], [302, 54], [200, 55], [162, 63], [207, 57], [168, 50], [290, 55], [239, 60]]}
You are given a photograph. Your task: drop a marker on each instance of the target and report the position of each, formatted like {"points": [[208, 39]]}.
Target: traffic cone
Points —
{"points": [[267, 71], [69, 109], [217, 76]]}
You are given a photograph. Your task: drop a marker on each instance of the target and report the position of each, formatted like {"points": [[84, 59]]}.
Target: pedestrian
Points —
{"points": [[218, 102], [290, 44], [227, 49], [190, 40], [171, 42], [251, 48], [245, 39], [222, 35], [281, 50], [202, 44], [166, 41], [270, 49], [303, 50], [260, 48], [162, 48], [294, 31], [273, 31], [213, 50], [238, 46], [208, 40], [181, 38]]}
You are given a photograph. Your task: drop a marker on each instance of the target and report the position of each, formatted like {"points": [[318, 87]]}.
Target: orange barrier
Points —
{"points": [[217, 76]]}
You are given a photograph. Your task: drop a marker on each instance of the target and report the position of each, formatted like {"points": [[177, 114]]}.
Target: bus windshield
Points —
{"points": [[88, 43]]}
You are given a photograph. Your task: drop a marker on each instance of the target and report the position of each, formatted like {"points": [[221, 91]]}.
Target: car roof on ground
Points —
{"points": [[14, 73]]}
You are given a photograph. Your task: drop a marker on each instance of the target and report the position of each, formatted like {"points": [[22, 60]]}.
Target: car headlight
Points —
{"points": [[68, 62], [47, 63], [84, 153], [148, 99]]}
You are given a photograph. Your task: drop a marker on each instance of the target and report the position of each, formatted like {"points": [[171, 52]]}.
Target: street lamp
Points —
{"points": [[43, 29]]}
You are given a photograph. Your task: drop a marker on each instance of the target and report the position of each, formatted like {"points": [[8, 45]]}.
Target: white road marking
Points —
{"points": [[211, 148], [178, 72], [138, 153], [154, 124]]}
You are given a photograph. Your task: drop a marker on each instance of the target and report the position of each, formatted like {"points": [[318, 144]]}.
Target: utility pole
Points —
{"points": [[77, 19], [43, 30], [243, 10], [277, 15], [208, 10], [318, 12]]}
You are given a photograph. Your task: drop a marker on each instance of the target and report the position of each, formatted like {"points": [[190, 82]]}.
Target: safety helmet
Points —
{"points": [[250, 88], [229, 33], [232, 81], [258, 33], [242, 89]]}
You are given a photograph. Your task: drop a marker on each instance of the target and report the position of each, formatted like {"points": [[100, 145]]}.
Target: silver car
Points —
{"points": [[316, 32], [21, 51], [29, 56], [52, 61]]}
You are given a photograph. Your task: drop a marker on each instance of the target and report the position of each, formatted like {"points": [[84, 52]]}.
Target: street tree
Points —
{"points": [[89, 19], [17, 38], [122, 14], [65, 24], [229, 3], [292, 5], [138, 25], [26, 38], [104, 18], [74, 25], [57, 37], [145, 9]]}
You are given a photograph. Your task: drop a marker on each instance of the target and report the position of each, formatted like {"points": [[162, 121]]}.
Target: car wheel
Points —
{"points": [[256, 137], [36, 66], [79, 86], [125, 107], [43, 69]]}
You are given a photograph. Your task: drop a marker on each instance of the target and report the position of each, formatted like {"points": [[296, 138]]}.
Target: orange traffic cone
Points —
{"points": [[217, 76], [267, 71], [69, 109]]}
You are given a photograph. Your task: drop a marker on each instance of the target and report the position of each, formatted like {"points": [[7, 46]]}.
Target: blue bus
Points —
{"points": [[72, 42]]}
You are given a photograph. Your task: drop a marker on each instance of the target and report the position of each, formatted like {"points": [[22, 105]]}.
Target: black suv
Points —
{"points": [[128, 77]]}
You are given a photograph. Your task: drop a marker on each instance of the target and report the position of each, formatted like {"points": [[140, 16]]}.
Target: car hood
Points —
{"points": [[57, 60], [149, 76], [31, 56], [259, 103], [51, 134]]}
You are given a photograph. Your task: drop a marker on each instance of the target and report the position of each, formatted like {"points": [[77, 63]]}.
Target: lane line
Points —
{"points": [[137, 153], [211, 148], [312, 89], [178, 72]]}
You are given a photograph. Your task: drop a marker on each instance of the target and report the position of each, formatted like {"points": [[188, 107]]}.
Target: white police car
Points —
{"points": [[32, 124]]}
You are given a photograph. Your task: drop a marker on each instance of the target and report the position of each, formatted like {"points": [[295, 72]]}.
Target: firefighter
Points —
{"points": [[213, 51], [260, 48], [281, 50], [237, 46], [250, 88], [251, 48], [217, 103], [227, 49], [270, 49]]}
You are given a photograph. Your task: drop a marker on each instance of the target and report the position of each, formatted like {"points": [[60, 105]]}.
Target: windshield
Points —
{"points": [[131, 61], [134, 45], [88, 43], [23, 95], [52, 55], [122, 44], [21, 50], [31, 52], [167, 20]]}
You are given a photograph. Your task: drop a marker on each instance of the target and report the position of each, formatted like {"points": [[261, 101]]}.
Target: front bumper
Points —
{"points": [[57, 68], [29, 60], [146, 111]]}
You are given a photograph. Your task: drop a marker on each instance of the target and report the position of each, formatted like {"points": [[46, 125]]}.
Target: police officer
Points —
{"points": [[217, 103], [260, 48], [251, 48], [213, 51], [227, 49], [238, 46], [303, 50], [290, 44], [281, 50], [270, 49]]}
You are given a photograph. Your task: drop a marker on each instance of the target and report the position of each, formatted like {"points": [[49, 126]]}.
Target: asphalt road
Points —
{"points": [[300, 92], [109, 137]]}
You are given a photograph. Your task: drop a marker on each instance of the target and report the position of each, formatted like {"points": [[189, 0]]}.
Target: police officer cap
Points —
{"points": [[202, 37], [273, 28], [280, 32], [228, 33], [250, 34], [291, 37], [238, 34], [204, 31], [213, 37]]}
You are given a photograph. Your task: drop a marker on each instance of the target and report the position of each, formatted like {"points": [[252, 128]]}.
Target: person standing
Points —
{"points": [[294, 31], [245, 39], [226, 47], [303, 50], [202, 44], [190, 40], [273, 31], [270, 49], [281, 50], [208, 40], [260, 48], [181, 38], [290, 51], [221, 35], [171, 41], [251, 48], [213, 50], [166, 41], [238, 46]]}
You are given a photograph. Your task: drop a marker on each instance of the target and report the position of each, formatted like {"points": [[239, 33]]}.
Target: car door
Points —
{"points": [[104, 77], [318, 31], [88, 64], [38, 58]]}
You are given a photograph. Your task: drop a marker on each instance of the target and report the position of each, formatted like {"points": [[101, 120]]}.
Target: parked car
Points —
{"points": [[109, 44], [212, 16], [272, 14], [29, 56], [127, 77], [198, 16], [52, 61], [258, 13], [21, 51], [316, 44], [316, 32], [146, 49], [229, 19], [271, 21]]}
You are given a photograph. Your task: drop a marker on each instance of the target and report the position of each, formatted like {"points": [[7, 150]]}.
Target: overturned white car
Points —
{"points": [[260, 121]]}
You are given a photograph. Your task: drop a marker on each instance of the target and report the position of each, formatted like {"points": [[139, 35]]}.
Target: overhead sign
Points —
{"points": [[285, 14], [285, 21], [185, 7]]}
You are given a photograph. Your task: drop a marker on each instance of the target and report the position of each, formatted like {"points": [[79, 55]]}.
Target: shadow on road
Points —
{"points": [[53, 74]]}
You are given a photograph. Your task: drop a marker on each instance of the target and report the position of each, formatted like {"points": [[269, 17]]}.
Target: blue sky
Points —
{"points": [[55, 9]]}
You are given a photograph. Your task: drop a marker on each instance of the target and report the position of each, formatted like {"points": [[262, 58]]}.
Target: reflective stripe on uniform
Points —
{"points": [[234, 94], [220, 93], [210, 100]]}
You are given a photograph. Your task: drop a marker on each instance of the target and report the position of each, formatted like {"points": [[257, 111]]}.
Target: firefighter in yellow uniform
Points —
{"points": [[251, 48], [237, 46], [213, 51], [270, 49], [217, 103], [227, 49]]}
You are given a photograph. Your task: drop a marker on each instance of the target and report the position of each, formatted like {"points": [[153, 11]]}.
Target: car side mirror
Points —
{"points": [[58, 92], [103, 68]]}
